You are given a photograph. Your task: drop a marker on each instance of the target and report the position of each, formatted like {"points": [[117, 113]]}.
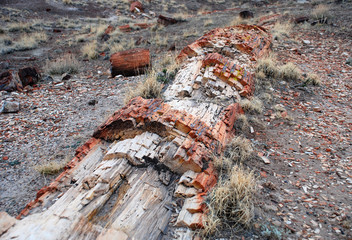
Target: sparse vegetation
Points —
{"points": [[50, 168], [290, 71], [150, 88], [253, 105], [230, 203], [67, 1], [66, 64], [313, 79], [281, 30], [321, 13], [267, 67], [90, 50]]}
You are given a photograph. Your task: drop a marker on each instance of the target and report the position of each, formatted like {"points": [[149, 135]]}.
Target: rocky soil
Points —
{"points": [[304, 192]]}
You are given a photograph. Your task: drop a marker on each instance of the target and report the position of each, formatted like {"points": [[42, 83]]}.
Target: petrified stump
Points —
{"points": [[29, 76], [130, 62], [9, 81], [146, 171]]}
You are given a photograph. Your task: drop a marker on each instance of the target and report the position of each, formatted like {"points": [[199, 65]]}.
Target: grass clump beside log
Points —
{"points": [[231, 202]]}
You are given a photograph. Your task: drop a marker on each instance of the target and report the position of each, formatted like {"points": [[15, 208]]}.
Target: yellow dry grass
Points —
{"points": [[281, 30], [50, 168], [150, 88], [231, 202], [65, 64], [90, 50], [252, 105], [290, 71]]}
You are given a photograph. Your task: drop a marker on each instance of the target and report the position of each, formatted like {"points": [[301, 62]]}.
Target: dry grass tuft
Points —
{"points": [[230, 203], [289, 71], [281, 30], [239, 149], [20, 27], [268, 67], [26, 42], [321, 13], [252, 106], [67, 1], [50, 168], [150, 88], [313, 79], [90, 50], [66, 64]]}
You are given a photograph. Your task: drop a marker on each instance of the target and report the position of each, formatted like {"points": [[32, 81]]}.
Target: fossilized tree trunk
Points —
{"points": [[145, 172]]}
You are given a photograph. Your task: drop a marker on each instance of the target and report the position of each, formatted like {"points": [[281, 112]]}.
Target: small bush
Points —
{"points": [[239, 149], [90, 50], [50, 168], [230, 203], [253, 105], [321, 13], [19, 27], [66, 64], [281, 30], [289, 71], [267, 66], [313, 79], [150, 88], [67, 1], [26, 42]]}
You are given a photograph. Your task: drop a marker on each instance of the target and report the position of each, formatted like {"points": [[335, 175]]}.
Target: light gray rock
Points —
{"points": [[10, 107]]}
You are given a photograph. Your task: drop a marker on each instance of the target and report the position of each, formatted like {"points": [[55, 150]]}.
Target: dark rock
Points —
{"points": [[349, 61], [172, 47], [246, 14], [9, 81], [4, 65], [29, 76], [302, 19], [105, 37], [65, 76], [166, 20], [92, 102], [10, 107]]}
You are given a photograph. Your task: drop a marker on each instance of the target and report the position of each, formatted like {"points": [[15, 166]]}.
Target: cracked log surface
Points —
{"points": [[146, 170]]}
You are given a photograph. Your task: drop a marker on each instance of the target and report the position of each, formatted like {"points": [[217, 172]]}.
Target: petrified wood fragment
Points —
{"points": [[130, 62]]}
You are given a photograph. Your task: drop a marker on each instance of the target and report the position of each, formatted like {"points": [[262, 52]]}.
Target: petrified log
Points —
{"points": [[146, 170], [301, 19], [166, 20], [136, 7], [29, 76], [9, 81], [130, 62]]}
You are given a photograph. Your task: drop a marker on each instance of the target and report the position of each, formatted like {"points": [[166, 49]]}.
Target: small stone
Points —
{"points": [[271, 208], [277, 223], [65, 76], [349, 61], [92, 102], [306, 42], [47, 78], [316, 109], [10, 107]]}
